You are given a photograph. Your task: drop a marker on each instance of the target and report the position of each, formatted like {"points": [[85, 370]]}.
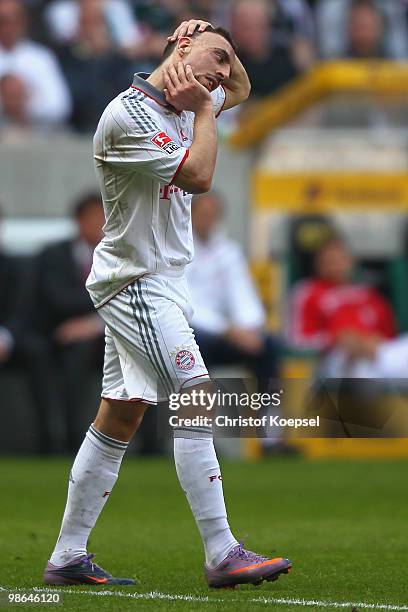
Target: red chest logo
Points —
{"points": [[164, 142], [161, 139]]}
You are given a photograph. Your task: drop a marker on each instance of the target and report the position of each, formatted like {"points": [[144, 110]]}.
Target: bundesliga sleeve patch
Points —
{"points": [[163, 141]]}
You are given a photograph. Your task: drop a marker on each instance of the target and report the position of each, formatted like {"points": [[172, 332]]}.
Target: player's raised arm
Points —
{"points": [[237, 87], [184, 91]]}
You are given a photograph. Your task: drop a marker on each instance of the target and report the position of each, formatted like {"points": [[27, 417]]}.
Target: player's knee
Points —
{"points": [[120, 420]]}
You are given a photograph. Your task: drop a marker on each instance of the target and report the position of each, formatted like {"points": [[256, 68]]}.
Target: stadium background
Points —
{"points": [[321, 143]]}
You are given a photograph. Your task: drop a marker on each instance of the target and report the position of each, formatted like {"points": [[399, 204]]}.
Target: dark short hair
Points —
{"points": [[169, 48], [84, 202]]}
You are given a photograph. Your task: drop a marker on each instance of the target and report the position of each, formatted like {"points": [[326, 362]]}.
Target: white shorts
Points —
{"points": [[150, 348]]}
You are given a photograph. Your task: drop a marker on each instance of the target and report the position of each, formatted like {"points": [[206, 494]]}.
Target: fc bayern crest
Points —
{"points": [[185, 360]]}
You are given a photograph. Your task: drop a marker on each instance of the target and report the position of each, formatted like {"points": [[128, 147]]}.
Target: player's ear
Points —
{"points": [[184, 46]]}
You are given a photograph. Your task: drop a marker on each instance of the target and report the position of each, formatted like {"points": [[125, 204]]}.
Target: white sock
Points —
{"points": [[199, 474], [93, 475]]}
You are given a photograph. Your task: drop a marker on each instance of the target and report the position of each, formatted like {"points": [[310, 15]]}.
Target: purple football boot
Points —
{"points": [[242, 566], [81, 571]]}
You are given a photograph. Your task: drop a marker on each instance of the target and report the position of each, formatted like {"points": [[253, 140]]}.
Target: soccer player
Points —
{"points": [[155, 145]]}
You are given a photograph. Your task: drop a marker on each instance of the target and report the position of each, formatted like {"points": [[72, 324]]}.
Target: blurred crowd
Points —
{"points": [[62, 61]]}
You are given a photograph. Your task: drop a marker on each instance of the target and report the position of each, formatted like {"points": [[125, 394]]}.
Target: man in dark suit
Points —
{"points": [[21, 348], [66, 315]]}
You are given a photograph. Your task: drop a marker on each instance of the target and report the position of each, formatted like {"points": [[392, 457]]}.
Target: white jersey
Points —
{"points": [[140, 146]]}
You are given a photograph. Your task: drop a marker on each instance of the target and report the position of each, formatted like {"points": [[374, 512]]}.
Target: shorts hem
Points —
{"points": [[206, 375], [130, 399]]}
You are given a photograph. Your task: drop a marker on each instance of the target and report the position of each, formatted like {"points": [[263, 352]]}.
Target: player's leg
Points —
{"points": [[227, 562], [94, 474], [199, 474], [119, 419], [92, 478]]}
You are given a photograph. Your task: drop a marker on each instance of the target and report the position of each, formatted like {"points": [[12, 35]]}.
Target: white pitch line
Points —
{"points": [[329, 604], [152, 595]]}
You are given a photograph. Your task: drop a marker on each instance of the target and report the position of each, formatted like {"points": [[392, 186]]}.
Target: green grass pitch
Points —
{"points": [[343, 524]]}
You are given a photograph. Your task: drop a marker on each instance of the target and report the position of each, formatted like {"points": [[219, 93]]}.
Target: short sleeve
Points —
{"points": [[218, 97], [140, 144]]}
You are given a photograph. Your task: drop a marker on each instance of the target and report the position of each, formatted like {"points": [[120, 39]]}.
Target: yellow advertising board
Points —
{"points": [[303, 193]]}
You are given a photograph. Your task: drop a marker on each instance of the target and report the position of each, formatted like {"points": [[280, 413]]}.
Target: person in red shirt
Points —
{"points": [[336, 315]]}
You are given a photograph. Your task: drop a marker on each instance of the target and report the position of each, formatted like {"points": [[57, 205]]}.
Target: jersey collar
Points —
{"points": [[140, 83]]}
